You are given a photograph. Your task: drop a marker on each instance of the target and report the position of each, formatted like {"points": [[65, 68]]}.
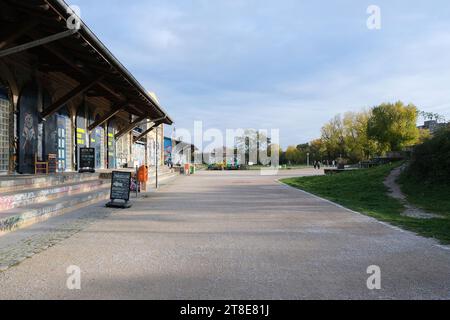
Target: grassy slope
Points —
{"points": [[364, 191], [432, 197]]}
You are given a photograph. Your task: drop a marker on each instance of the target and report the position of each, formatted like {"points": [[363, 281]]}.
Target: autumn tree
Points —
{"points": [[333, 137], [292, 155], [358, 146], [394, 126], [317, 150]]}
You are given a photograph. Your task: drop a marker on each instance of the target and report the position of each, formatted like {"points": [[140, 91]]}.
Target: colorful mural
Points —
{"points": [[28, 128], [167, 150]]}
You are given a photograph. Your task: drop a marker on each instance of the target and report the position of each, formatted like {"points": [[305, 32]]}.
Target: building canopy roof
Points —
{"points": [[81, 56]]}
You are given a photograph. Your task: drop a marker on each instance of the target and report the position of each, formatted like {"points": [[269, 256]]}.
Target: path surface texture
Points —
{"points": [[222, 235]]}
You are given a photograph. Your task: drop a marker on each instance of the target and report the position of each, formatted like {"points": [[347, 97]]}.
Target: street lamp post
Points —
{"points": [[157, 162]]}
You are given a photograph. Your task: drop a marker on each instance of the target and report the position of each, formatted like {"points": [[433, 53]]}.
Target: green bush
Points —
{"points": [[431, 160]]}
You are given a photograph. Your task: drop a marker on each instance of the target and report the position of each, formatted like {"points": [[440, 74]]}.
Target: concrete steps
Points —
{"points": [[21, 182], [23, 216], [163, 174], [14, 199], [25, 200]]}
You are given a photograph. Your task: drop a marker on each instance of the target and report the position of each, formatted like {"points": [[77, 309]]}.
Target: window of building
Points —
{"points": [[122, 147], [4, 129]]}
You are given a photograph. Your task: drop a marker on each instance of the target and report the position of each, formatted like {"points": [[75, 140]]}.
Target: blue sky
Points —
{"points": [[287, 64]]}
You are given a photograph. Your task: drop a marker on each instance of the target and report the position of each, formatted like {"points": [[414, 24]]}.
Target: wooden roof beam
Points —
{"points": [[29, 25], [129, 127], [146, 132], [155, 122], [37, 43], [69, 96], [115, 110], [73, 65]]}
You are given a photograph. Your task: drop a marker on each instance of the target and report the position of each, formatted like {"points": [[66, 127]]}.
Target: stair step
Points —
{"points": [[151, 173], [24, 216], [75, 197], [25, 197], [167, 176], [160, 174], [20, 182]]}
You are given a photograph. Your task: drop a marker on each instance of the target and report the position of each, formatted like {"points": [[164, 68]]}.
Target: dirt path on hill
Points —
{"points": [[396, 192]]}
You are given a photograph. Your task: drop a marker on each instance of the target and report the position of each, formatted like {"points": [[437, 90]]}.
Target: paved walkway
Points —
{"points": [[230, 235]]}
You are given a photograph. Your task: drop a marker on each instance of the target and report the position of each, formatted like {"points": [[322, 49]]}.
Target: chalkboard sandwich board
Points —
{"points": [[87, 160], [120, 190]]}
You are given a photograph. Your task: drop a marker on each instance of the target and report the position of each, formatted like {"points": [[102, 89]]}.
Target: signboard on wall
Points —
{"points": [[87, 160]]}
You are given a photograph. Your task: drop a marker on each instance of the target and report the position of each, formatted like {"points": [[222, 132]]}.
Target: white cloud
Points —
{"points": [[289, 64]]}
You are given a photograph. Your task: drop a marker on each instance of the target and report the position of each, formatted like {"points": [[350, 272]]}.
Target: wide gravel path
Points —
{"points": [[227, 235]]}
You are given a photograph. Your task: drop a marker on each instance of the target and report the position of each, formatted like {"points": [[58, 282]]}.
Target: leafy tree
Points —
{"points": [[293, 155], [317, 150], [333, 137], [303, 150], [432, 116], [275, 148], [251, 142], [431, 160], [393, 126], [424, 135], [358, 146]]}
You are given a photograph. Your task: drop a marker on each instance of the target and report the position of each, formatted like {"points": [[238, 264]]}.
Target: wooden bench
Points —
{"points": [[40, 166], [46, 167], [52, 163]]}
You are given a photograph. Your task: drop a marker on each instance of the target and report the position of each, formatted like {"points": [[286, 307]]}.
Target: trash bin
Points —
{"points": [[142, 177], [192, 169], [187, 169]]}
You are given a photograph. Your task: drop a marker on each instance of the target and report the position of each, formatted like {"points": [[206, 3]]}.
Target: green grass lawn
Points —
{"points": [[364, 191]]}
